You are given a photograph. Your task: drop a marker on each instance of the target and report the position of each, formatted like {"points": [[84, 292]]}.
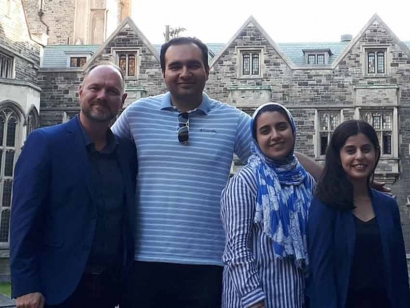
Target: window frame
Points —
{"points": [[9, 110], [252, 51], [381, 49], [10, 70], [77, 55], [393, 131], [117, 52], [319, 131]]}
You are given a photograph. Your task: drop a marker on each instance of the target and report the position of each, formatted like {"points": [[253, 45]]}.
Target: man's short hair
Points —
{"points": [[184, 41], [105, 63]]}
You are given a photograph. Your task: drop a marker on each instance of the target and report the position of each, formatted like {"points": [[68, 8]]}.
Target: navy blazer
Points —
{"points": [[331, 242], [53, 215]]}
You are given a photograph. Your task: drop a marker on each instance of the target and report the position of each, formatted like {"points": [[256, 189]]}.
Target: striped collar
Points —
{"points": [[204, 107]]}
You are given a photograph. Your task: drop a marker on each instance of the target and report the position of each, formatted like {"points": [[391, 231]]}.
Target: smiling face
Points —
{"points": [[185, 73], [358, 157], [274, 135]]}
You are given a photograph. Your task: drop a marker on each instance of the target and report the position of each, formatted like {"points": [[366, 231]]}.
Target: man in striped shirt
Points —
{"points": [[185, 144]]}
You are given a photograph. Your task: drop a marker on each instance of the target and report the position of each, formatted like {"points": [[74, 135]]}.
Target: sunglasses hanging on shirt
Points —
{"points": [[183, 127]]}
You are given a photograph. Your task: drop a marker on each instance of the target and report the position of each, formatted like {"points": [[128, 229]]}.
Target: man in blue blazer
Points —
{"points": [[73, 203]]}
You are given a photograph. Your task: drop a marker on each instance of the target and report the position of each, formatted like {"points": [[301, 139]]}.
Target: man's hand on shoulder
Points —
{"points": [[31, 300], [380, 186]]}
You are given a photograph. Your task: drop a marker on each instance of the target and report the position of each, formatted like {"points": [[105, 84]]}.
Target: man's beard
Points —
{"points": [[98, 116]]}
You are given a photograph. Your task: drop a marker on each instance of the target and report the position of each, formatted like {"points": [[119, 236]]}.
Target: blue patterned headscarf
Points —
{"points": [[283, 197]]}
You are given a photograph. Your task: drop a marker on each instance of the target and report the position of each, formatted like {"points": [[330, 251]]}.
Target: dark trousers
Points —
{"points": [[159, 285], [102, 290]]}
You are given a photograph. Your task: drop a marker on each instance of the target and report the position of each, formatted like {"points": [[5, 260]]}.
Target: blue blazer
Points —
{"points": [[331, 242], [53, 214]]}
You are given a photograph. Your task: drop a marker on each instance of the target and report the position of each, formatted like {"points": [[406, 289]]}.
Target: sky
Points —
{"points": [[217, 21]]}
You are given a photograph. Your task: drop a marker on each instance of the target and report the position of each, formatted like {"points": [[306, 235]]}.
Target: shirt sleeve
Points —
{"points": [[238, 210], [322, 284], [121, 127], [243, 137], [30, 191]]}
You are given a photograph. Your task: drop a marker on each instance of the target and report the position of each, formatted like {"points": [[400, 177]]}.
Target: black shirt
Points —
{"points": [[106, 177], [367, 282]]}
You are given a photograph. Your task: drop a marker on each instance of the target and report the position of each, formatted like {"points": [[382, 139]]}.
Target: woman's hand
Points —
{"points": [[260, 304]]}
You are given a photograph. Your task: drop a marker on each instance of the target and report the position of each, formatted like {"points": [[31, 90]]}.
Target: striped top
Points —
{"points": [[252, 273], [179, 186]]}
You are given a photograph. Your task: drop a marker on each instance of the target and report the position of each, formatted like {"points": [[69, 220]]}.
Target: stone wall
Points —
{"points": [[345, 86], [15, 41], [58, 15], [149, 80], [59, 94]]}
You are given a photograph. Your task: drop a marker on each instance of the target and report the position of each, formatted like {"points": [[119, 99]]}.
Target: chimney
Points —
{"points": [[346, 37]]}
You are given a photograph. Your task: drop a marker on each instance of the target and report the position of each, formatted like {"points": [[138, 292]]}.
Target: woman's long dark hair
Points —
{"points": [[334, 187]]}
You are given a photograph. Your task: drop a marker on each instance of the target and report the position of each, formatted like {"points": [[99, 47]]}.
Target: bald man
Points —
{"points": [[74, 186]]}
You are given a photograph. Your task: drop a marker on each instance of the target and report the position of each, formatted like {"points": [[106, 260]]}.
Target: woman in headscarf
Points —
{"points": [[264, 212]]}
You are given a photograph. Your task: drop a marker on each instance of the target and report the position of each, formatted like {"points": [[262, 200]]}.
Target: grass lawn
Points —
{"points": [[5, 288]]}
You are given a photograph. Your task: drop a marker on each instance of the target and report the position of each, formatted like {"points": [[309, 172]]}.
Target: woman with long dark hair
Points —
{"points": [[355, 242], [264, 213]]}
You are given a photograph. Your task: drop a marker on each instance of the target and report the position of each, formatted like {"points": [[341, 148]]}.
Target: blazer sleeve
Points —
{"points": [[399, 255], [321, 282], [238, 211], [30, 191]]}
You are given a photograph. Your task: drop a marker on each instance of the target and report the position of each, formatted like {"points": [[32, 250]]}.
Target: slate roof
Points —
{"points": [[56, 55]]}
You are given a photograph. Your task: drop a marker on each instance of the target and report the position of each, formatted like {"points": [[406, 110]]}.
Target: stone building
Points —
{"points": [[366, 76], [19, 103]]}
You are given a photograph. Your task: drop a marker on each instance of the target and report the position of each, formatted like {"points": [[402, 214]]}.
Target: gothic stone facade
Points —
{"points": [[367, 76], [19, 105]]}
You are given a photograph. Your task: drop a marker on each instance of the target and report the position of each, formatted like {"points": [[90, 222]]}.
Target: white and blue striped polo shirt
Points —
{"points": [[179, 186]]}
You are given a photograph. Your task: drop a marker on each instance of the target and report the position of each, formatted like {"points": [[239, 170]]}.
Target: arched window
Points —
{"points": [[9, 124], [32, 121]]}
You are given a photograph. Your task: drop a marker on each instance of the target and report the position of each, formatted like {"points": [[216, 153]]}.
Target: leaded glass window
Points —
{"points": [[376, 61], [328, 121], [6, 66], [250, 63], [9, 124], [382, 122], [128, 63]]}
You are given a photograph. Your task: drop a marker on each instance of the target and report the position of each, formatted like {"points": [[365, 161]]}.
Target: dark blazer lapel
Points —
{"points": [[384, 220], [80, 157]]}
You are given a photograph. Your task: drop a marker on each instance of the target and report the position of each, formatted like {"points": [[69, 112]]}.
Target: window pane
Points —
{"points": [[73, 62], [82, 61], [7, 193], [8, 170], [4, 225], [324, 122], [386, 143], [311, 59], [334, 121], [380, 62], [320, 59], [255, 64], [371, 63], [131, 65], [6, 66], [246, 64], [323, 143], [367, 117], [2, 123], [123, 63], [11, 131], [387, 121], [376, 121]]}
